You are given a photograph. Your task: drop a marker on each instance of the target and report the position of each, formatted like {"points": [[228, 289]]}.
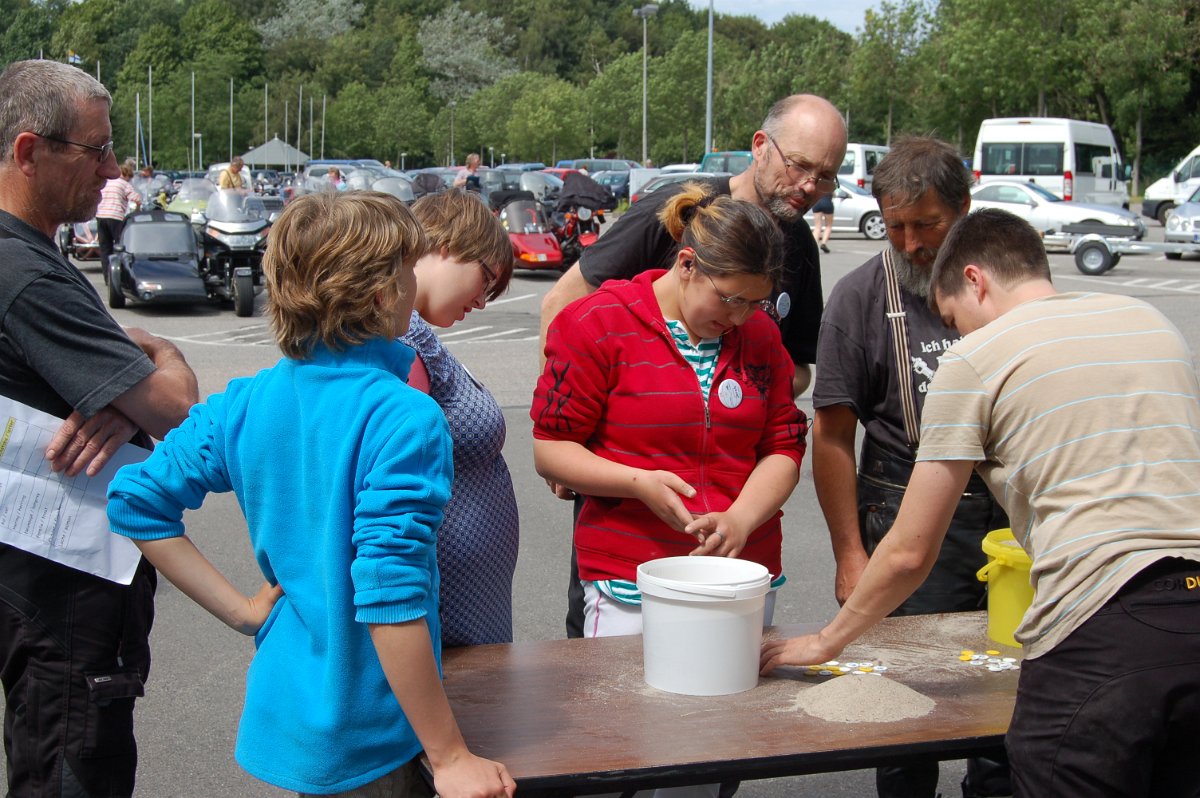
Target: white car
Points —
{"points": [[855, 211], [1183, 225], [1047, 213]]}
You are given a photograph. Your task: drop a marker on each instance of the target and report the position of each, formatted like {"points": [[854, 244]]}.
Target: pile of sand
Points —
{"points": [[863, 699]]}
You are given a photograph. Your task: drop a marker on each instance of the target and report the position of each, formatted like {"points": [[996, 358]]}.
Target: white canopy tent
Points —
{"points": [[275, 153]]}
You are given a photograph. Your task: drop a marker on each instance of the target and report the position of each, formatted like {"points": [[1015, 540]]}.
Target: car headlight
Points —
{"points": [[584, 214], [1175, 223]]}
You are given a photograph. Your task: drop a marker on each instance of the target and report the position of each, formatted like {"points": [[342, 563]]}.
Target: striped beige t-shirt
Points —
{"points": [[1083, 411]]}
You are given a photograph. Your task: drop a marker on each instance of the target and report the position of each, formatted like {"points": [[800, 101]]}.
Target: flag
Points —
{"points": [[72, 58]]}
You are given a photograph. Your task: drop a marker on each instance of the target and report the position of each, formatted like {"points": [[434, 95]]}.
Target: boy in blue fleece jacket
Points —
{"points": [[342, 472]]}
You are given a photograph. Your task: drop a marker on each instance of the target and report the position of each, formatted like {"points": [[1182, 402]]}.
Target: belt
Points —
{"points": [[881, 467]]}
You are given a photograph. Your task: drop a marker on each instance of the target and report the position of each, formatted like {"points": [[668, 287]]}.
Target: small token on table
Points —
{"points": [[993, 653]]}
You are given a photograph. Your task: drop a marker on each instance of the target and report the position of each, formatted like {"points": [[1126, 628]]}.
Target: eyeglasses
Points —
{"points": [[801, 175], [489, 278], [105, 150], [738, 304]]}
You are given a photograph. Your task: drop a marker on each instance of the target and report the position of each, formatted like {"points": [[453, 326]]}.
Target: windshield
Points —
{"points": [[195, 188], [159, 238], [1042, 193], [399, 187], [523, 216], [149, 186], [231, 205]]}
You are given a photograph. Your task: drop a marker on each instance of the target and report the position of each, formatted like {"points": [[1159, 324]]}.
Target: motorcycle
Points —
{"points": [[528, 226], [79, 240], [579, 214], [155, 192], [233, 238]]}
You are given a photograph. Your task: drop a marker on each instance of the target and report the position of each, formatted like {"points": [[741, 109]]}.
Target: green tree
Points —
{"points": [[464, 52], [30, 33], [613, 108], [882, 68]]}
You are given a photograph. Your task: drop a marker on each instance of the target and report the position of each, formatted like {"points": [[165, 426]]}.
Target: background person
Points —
{"points": [[66, 631], [469, 262], [874, 369], [117, 199], [467, 177], [823, 216], [231, 176], [1091, 440], [342, 471]]}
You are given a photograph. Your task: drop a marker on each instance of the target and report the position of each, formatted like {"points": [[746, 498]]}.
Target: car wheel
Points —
{"points": [[1173, 255], [116, 299], [1093, 258], [872, 226], [1164, 212], [243, 295]]}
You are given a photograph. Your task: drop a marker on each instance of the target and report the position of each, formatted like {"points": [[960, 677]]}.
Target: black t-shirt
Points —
{"points": [[60, 349], [854, 356], [638, 241]]}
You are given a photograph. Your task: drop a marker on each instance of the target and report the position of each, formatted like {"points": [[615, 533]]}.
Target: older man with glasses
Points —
{"points": [[75, 646], [796, 158]]}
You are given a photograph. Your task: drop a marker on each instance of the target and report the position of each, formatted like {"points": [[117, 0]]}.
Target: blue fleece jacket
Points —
{"points": [[342, 471]]}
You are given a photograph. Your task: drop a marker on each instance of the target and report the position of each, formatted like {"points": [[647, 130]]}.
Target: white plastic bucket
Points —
{"points": [[702, 621]]}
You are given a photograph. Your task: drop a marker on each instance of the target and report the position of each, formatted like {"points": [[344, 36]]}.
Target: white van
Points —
{"points": [[859, 164], [1163, 195], [1073, 159]]}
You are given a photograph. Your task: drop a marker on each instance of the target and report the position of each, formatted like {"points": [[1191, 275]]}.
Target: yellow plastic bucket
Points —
{"points": [[1009, 591]]}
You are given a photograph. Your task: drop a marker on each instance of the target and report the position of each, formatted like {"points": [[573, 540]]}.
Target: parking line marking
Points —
{"points": [[1134, 283], [1164, 284], [506, 299], [1137, 281], [466, 331], [487, 337]]}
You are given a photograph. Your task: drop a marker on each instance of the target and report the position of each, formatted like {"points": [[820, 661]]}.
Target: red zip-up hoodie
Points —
{"points": [[616, 383]]}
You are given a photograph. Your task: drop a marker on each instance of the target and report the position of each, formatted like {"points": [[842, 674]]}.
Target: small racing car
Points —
{"points": [[157, 261]]}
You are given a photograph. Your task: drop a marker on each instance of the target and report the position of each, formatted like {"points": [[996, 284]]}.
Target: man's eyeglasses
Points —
{"points": [[801, 175], [105, 150], [736, 303]]}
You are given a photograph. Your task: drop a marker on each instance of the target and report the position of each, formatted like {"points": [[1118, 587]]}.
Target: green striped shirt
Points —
{"points": [[627, 592], [702, 357]]}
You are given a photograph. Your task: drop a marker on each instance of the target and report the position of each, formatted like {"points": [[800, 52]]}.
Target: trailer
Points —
{"points": [[1096, 251]]}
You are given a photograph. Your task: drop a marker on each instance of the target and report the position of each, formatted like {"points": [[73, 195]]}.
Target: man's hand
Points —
{"points": [[89, 443], [806, 650], [850, 567]]}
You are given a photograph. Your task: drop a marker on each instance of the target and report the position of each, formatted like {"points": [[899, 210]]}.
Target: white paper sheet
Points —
{"points": [[52, 515]]}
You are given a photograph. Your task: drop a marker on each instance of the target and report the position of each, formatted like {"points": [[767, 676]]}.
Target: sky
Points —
{"points": [[844, 14]]}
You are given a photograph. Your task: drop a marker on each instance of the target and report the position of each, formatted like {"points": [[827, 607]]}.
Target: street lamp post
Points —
{"points": [[452, 104], [403, 155], [645, 12], [502, 157], [708, 98], [491, 157], [200, 139]]}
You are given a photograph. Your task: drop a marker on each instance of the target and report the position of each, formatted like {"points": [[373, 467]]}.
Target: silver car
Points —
{"points": [[1183, 225], [855, 211], [1048, 213]]}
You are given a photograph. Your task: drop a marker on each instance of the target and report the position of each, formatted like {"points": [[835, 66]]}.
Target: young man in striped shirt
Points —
{"points": [[1082, 412]]}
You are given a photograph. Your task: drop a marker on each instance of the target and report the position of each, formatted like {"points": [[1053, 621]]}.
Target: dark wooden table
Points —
{"points": [[575, 717]]}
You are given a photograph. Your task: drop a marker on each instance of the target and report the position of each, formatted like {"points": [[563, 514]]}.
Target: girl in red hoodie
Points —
{"points": [[666, 402]]}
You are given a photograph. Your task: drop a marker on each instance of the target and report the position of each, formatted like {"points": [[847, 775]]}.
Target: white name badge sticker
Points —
{"points": [[783, 305], [730, 393]]}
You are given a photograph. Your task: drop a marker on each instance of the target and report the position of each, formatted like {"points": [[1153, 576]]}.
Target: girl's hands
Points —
{"points": [[720, 535], [660, 491]]}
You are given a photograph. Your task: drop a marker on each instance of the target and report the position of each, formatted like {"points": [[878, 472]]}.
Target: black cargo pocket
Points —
{"points": [[108, 729]]}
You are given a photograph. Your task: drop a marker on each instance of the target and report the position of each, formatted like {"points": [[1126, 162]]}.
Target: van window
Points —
{"points": [[1022, 159], [1086, 155], [847, 167], [873, 159], [1190, 169]]}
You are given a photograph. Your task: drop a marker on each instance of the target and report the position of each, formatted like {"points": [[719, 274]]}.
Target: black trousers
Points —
{"points": [[950, 587], [108, 233], [1114, 709], [74, 655]]}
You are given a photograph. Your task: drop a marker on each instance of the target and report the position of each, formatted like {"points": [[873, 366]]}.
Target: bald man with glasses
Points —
{"points": [[74, 647]]}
